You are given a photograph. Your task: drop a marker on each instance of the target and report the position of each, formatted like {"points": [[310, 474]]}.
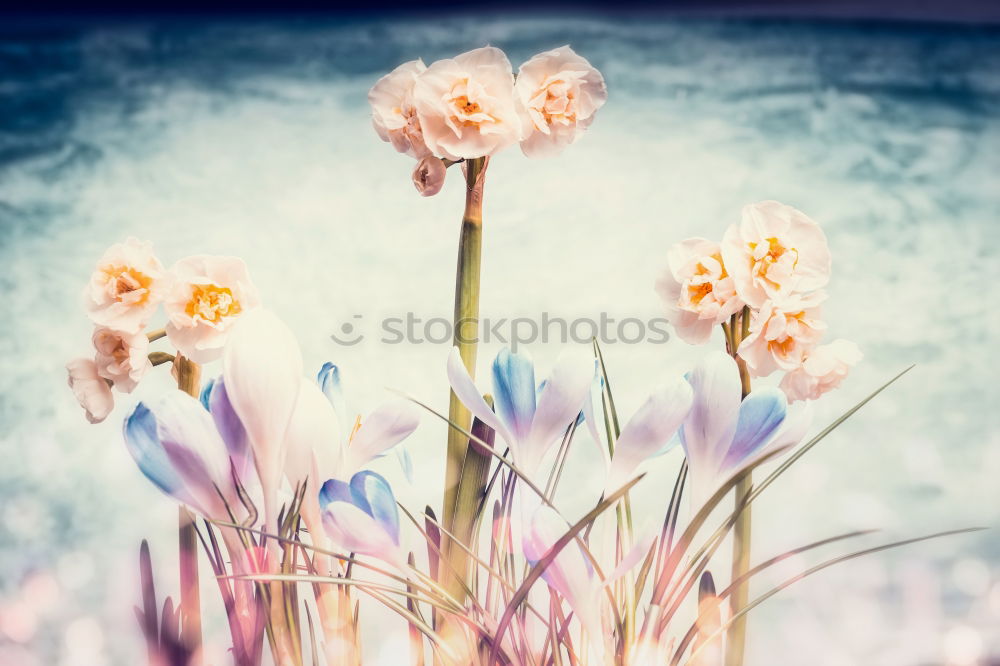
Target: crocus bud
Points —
{"points": [[429, 175]]}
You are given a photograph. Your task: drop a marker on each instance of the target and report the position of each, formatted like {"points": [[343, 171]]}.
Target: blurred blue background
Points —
{"points": [[253, 138]]}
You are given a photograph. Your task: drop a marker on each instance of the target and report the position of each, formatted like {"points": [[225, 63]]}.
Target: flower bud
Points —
{"points": [[429, 175]]}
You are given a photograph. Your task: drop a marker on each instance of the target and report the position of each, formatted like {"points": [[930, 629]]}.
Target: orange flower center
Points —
{"points": [[211, 303], [125, 280], [764, 258], [465, 106]]}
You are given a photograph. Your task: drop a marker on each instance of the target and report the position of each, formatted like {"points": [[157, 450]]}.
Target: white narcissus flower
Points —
{"points": [[208, 296], [466, 105], [91, 390], [775, 251], [126, 287], [781, 334], [122, 358], [560, 92], [822, 370], [393, 113], [697, 291]]}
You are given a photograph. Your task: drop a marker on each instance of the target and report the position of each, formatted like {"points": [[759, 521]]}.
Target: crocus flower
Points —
{"points": [[92, 391], [122, 358], [262, 370], [208, 296], [529, 427], [428, 176], [822, 370], [126, 287], [650, 431], [466, 105], [360, 516], [723, 436], [319, 448], [177, 446], [697, 292], [393, 113], [215, 399], [570, 572], [560, 92], [781, 334], [775, 251]]}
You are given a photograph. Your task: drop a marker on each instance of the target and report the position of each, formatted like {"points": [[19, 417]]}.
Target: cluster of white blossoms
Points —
{"points": [[202, 296], [775, 262], [473, 106]]}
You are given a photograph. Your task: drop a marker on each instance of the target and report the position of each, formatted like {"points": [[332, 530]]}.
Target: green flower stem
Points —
{"points": [[739, 328], [188, 380], [463, 484]]}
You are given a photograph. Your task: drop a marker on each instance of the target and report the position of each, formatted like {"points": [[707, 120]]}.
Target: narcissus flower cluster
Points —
{"points": [[473, 106], [202, 297], [770, 269]]}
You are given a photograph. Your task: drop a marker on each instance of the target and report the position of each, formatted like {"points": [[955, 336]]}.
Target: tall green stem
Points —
{"points": [[188, 380], [737, 634], [459, 511]]}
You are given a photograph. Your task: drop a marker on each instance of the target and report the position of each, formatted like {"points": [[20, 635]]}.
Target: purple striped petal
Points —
{"points": [[232, 431]]}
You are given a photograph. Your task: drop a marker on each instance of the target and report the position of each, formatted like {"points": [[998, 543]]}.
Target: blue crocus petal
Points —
{"points": [[405, 462], [206, 393], [335, 490], [379, 503], [329, 382], [761, 414], [514, 386], [143, 443]]}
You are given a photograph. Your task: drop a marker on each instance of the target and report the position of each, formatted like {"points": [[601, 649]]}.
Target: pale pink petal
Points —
{"points": [[696, 290], [90, 389], [126, 287], [384, 428], [313, 435], [465, 105], [354, 531], [649, 431], [711, 423], [263, 374], [775, 251], [393, 113], [121, 357], [560, 92], [470, 396], [569, 573], [559, 404], [208, 296]]}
